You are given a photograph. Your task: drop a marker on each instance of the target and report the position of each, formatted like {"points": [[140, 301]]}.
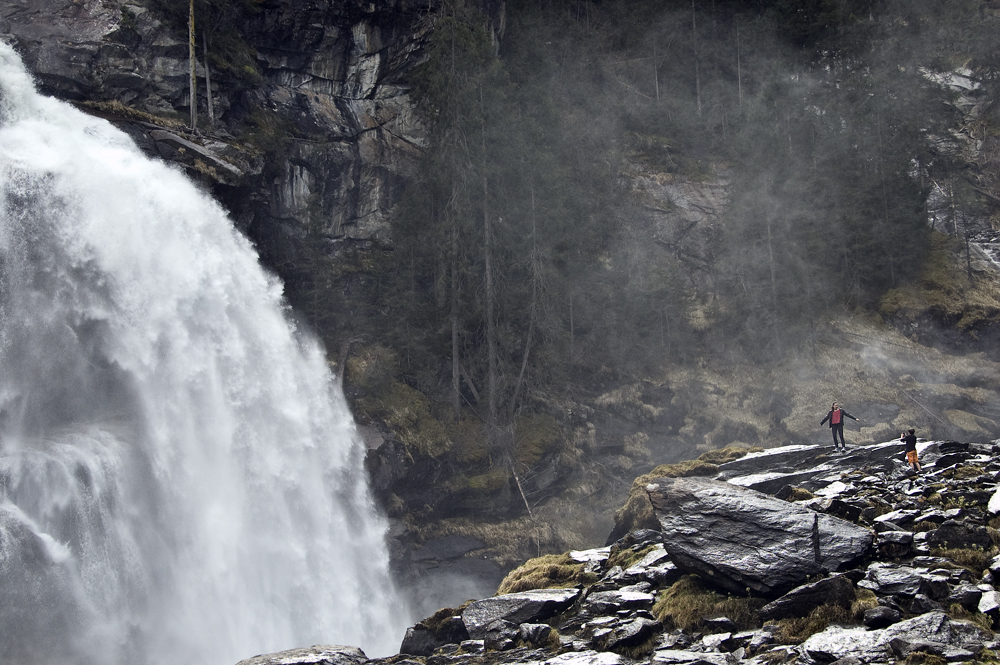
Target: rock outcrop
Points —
{"points": [[318, 93], [915, 579], [743, 539]]}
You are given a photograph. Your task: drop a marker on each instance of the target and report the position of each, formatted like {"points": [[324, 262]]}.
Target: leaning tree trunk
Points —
{"points": [[191, 61]]}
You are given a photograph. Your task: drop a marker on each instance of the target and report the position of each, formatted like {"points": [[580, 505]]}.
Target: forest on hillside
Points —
{"points": [[522, 265]]}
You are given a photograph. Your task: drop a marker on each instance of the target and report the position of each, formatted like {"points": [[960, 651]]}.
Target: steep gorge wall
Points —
{"points": [[315, 132]]}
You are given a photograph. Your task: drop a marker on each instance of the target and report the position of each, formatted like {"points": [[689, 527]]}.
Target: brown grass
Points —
{"points": [[728, 454], [685, 604], [798, 630], [626, 557], [799, 494], [544, 572], [975, 560], [864, 600]]}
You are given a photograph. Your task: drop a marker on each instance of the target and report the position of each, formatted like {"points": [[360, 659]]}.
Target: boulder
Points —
{"points": [[422, 639], [501, 635], [881, 616], [314, 655], [522, 607], [891, 579], [611, 602], [742, 539], [956, 534], [631, 633], [837, 642], [799, 602]]}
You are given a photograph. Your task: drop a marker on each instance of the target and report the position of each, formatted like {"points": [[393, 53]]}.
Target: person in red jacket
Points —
{"points": [[836, 418]]}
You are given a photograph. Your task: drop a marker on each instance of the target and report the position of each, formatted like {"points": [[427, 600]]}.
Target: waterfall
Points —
{"points": [[180, 478]]}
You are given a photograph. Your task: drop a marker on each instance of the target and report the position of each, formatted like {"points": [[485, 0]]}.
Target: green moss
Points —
{"points": [[944, 292], [489, 482], [685, 604], [117, 109], [537, 435], [406, 412]]}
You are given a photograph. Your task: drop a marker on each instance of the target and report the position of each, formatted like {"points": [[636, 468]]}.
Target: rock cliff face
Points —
{"points": [[318, 93]]}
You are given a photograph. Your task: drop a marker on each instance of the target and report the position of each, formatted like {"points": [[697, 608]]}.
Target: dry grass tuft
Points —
{"points": [[626, 557], [864, 600], [728, 454], [922, 658], [799, 494], [796, 631], [959, 613], [975, 560], [544, 572], [685, 604]]}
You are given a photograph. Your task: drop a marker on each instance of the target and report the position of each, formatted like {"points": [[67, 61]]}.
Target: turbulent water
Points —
{"points": [[180, 479]]}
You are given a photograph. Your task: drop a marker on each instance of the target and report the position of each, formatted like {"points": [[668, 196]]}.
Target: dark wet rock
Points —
{"points": [[894, 544], [881, 616], [799, 602], [937, 585], [956, 534], [761, 638], [903, 647], [892, 579], [838, 642], [501, 635], [720, 625], [315, 655], [631, 633], [534, 633], [518, 608], [740, 539], [610, 602], [922, 603], [422, 640]]}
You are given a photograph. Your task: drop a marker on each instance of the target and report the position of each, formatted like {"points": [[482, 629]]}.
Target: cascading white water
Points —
{"points": [[180, 478]]}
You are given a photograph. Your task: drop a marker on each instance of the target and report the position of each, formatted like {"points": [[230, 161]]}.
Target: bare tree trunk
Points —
{"points": [[208, 81], [192, 62], [739, 68], [770, 258], [535, 278], [456, 397], [490, 286], [697, 66]]}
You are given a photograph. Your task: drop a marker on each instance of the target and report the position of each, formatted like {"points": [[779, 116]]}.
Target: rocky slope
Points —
{"points": [[794, 554]]}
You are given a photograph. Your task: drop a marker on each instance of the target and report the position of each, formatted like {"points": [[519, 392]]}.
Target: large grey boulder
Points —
{"points": [[314, 655], [523, 607], [934, 630], [742, 539]]}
